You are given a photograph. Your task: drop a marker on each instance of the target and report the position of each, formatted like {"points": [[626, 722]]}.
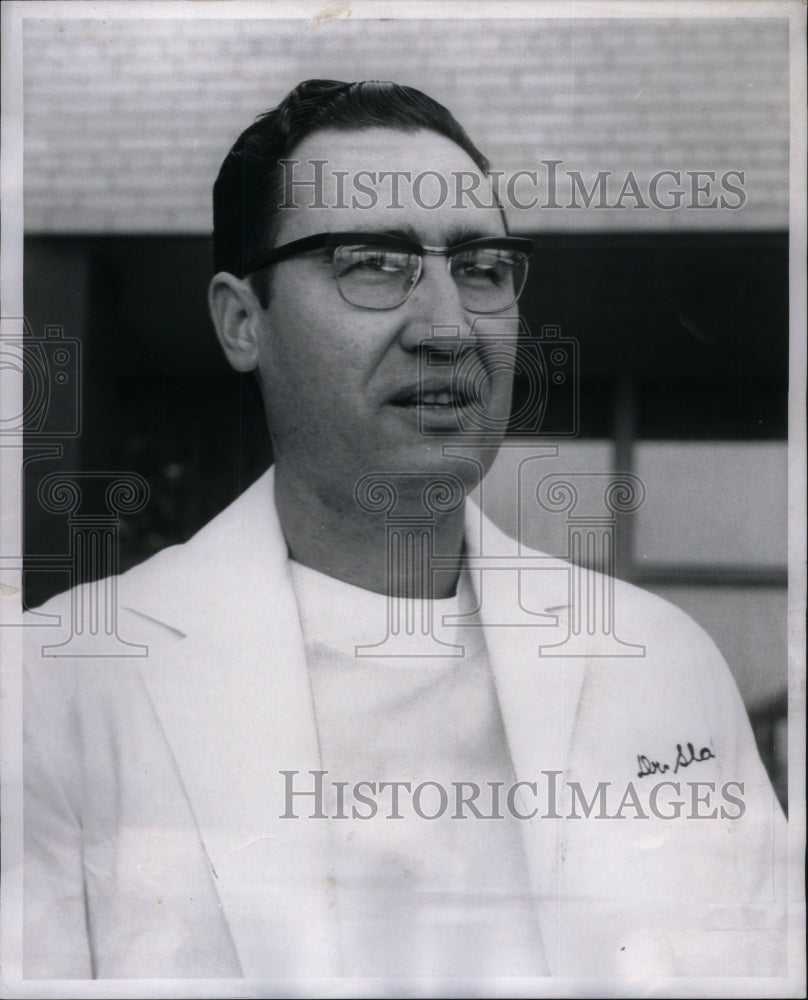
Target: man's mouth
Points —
{"points": [[444, 398], [449, 397]]}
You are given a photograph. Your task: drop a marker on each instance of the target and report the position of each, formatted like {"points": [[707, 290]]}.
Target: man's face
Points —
{"points": [[340, 382]]}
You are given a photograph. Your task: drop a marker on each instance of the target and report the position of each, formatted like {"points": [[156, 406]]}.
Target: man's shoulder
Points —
{"points": [[599, 599], [109, 596], [658, 615], [632, 639], [174, 583]]}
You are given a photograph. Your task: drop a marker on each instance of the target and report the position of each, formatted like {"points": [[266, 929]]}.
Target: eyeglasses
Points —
{"points": [[377, 271]]}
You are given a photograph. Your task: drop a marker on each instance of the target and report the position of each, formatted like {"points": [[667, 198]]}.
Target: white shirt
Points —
{"points": [[417, 896]]}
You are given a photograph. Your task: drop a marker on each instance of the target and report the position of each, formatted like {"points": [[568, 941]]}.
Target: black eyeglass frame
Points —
{"points": [[321, 241]]}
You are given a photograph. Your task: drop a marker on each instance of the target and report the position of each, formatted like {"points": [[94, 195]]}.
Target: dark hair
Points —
{"points": [[248, 189]]}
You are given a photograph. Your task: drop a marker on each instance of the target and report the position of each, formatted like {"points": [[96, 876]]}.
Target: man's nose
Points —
{"points": [[434, 303]]}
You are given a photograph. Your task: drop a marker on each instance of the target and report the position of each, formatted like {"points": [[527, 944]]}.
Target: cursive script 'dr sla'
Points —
{"points": [[683, 759]]}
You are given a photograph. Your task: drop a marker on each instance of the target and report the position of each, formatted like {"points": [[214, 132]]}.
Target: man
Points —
{"points": [[347, 752]]}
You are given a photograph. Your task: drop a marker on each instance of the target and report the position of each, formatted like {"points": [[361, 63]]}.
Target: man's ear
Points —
{"points": [[234, 309]]}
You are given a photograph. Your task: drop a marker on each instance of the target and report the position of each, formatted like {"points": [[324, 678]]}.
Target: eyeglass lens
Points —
{"points": [[488, 279]]}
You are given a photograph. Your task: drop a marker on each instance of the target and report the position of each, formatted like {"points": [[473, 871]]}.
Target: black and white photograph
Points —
{"points": [[402, 449]]}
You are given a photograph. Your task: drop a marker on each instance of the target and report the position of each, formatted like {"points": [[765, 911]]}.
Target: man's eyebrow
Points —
{"points": [[461, 234], [405, 233], [401, 233]]}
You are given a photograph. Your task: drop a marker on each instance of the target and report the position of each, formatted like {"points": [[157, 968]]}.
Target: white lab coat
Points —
{"points": [[155, 845]]}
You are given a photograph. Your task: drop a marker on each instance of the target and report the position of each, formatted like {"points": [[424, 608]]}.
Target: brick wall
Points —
{"points": [[126, 121]]}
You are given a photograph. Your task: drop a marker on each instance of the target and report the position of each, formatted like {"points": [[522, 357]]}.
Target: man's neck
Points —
{"points": [[336, 536]]}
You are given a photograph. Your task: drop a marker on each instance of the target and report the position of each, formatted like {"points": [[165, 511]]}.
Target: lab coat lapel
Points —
{"points": [[538, 695], [245, 715]]}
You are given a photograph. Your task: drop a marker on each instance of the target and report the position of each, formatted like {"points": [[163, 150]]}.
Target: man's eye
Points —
{"points": [[493, 266], [373, 262]]}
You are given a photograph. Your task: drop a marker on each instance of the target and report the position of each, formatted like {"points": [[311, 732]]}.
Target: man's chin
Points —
{"points": [[464, 456]]}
